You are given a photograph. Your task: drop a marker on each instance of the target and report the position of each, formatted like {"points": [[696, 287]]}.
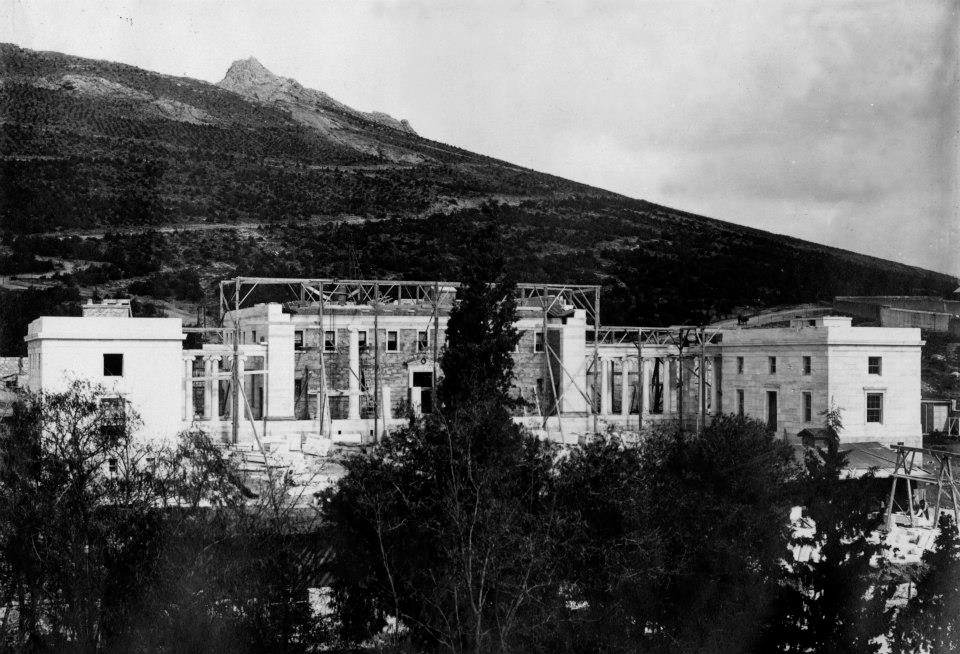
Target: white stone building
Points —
{"points": [[138, 359], [350, 372], [789, 377]]}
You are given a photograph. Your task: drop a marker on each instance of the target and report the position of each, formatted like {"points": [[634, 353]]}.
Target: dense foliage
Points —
{"points": [[460, 532], [108, 544], [834, 593], [478, 537]]}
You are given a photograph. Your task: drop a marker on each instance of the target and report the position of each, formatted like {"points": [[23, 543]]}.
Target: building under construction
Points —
{"points": [[294, 360]]}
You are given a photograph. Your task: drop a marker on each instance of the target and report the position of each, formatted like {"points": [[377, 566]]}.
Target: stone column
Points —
{"points": [[207, 388], [667, 380], [214, 388], [645, 377], [604, 387], [242, 411], [188, 389], [354, 375], [715, 408], [624, 386], [386, 409]]}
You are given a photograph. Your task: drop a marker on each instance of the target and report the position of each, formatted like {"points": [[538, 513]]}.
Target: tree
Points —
{"points": [[676, 543], [108, 544], [449, 526], [76, 510], [833, 596], [930, 621]]}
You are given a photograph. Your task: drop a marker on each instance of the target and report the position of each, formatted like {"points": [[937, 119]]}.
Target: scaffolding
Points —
{"points": [[437, 296], [938, 473], [682, 338]]}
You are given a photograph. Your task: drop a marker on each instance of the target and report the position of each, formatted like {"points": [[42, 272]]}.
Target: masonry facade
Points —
{"points": [[351, 371]]}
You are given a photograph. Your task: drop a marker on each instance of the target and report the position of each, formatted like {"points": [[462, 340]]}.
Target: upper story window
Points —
{"points": [[538, 342], [807, 365], [807, 406], [875, 407], [113, 365], [875, 365], [298, 340], [741, 403], [423, 341], [392, 342], [773, 365], [329, 341], [739, 365]]}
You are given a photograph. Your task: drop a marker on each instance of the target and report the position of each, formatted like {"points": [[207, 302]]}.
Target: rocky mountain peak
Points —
{"points": [[249, 78]]}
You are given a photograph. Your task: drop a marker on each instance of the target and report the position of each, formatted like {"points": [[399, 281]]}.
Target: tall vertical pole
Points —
{"points": [[436, 339], [546, 372], [235, 377], [681, 343], [641, 381], [321, 346], [376, 363], [596, 354], [703, 379]]}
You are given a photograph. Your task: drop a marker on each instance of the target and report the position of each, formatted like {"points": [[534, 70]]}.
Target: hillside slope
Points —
{"points": [[125, 180]]}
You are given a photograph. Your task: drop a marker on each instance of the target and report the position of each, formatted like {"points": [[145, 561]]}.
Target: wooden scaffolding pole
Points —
{"points": [[376, 363], [321, 347], [596, 359], [436, 340], [235, 376]]}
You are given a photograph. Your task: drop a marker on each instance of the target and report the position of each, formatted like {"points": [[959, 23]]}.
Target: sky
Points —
{"points": [[836, 122]]}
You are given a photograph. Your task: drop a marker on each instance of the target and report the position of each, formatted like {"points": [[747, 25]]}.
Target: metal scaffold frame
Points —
{"points": [[437, 295], [939, 473], [681, 337]]}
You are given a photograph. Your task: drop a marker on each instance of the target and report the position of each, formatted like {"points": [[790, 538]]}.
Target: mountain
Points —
{"points": [[129, 181], [317, 110], [249, 78]]}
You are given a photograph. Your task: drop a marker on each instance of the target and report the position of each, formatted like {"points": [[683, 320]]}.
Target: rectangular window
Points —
{"points": [[874, 365], [112, 466], [329, 341], [392, 343], [538, 342], [516, 348], [773, 365], [112, 417], [253, 336], [113, 365], [807, 407], [362, 340], [807, 365], [875, 407], [741, 403], [423, 343], [298, 340], [739, 365]]}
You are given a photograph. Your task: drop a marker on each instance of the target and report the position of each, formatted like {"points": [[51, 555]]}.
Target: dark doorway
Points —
{"points": [[424, 381], [772, 410]]}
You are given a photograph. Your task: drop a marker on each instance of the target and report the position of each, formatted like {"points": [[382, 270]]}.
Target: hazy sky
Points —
{"points": [[837, 122]]}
